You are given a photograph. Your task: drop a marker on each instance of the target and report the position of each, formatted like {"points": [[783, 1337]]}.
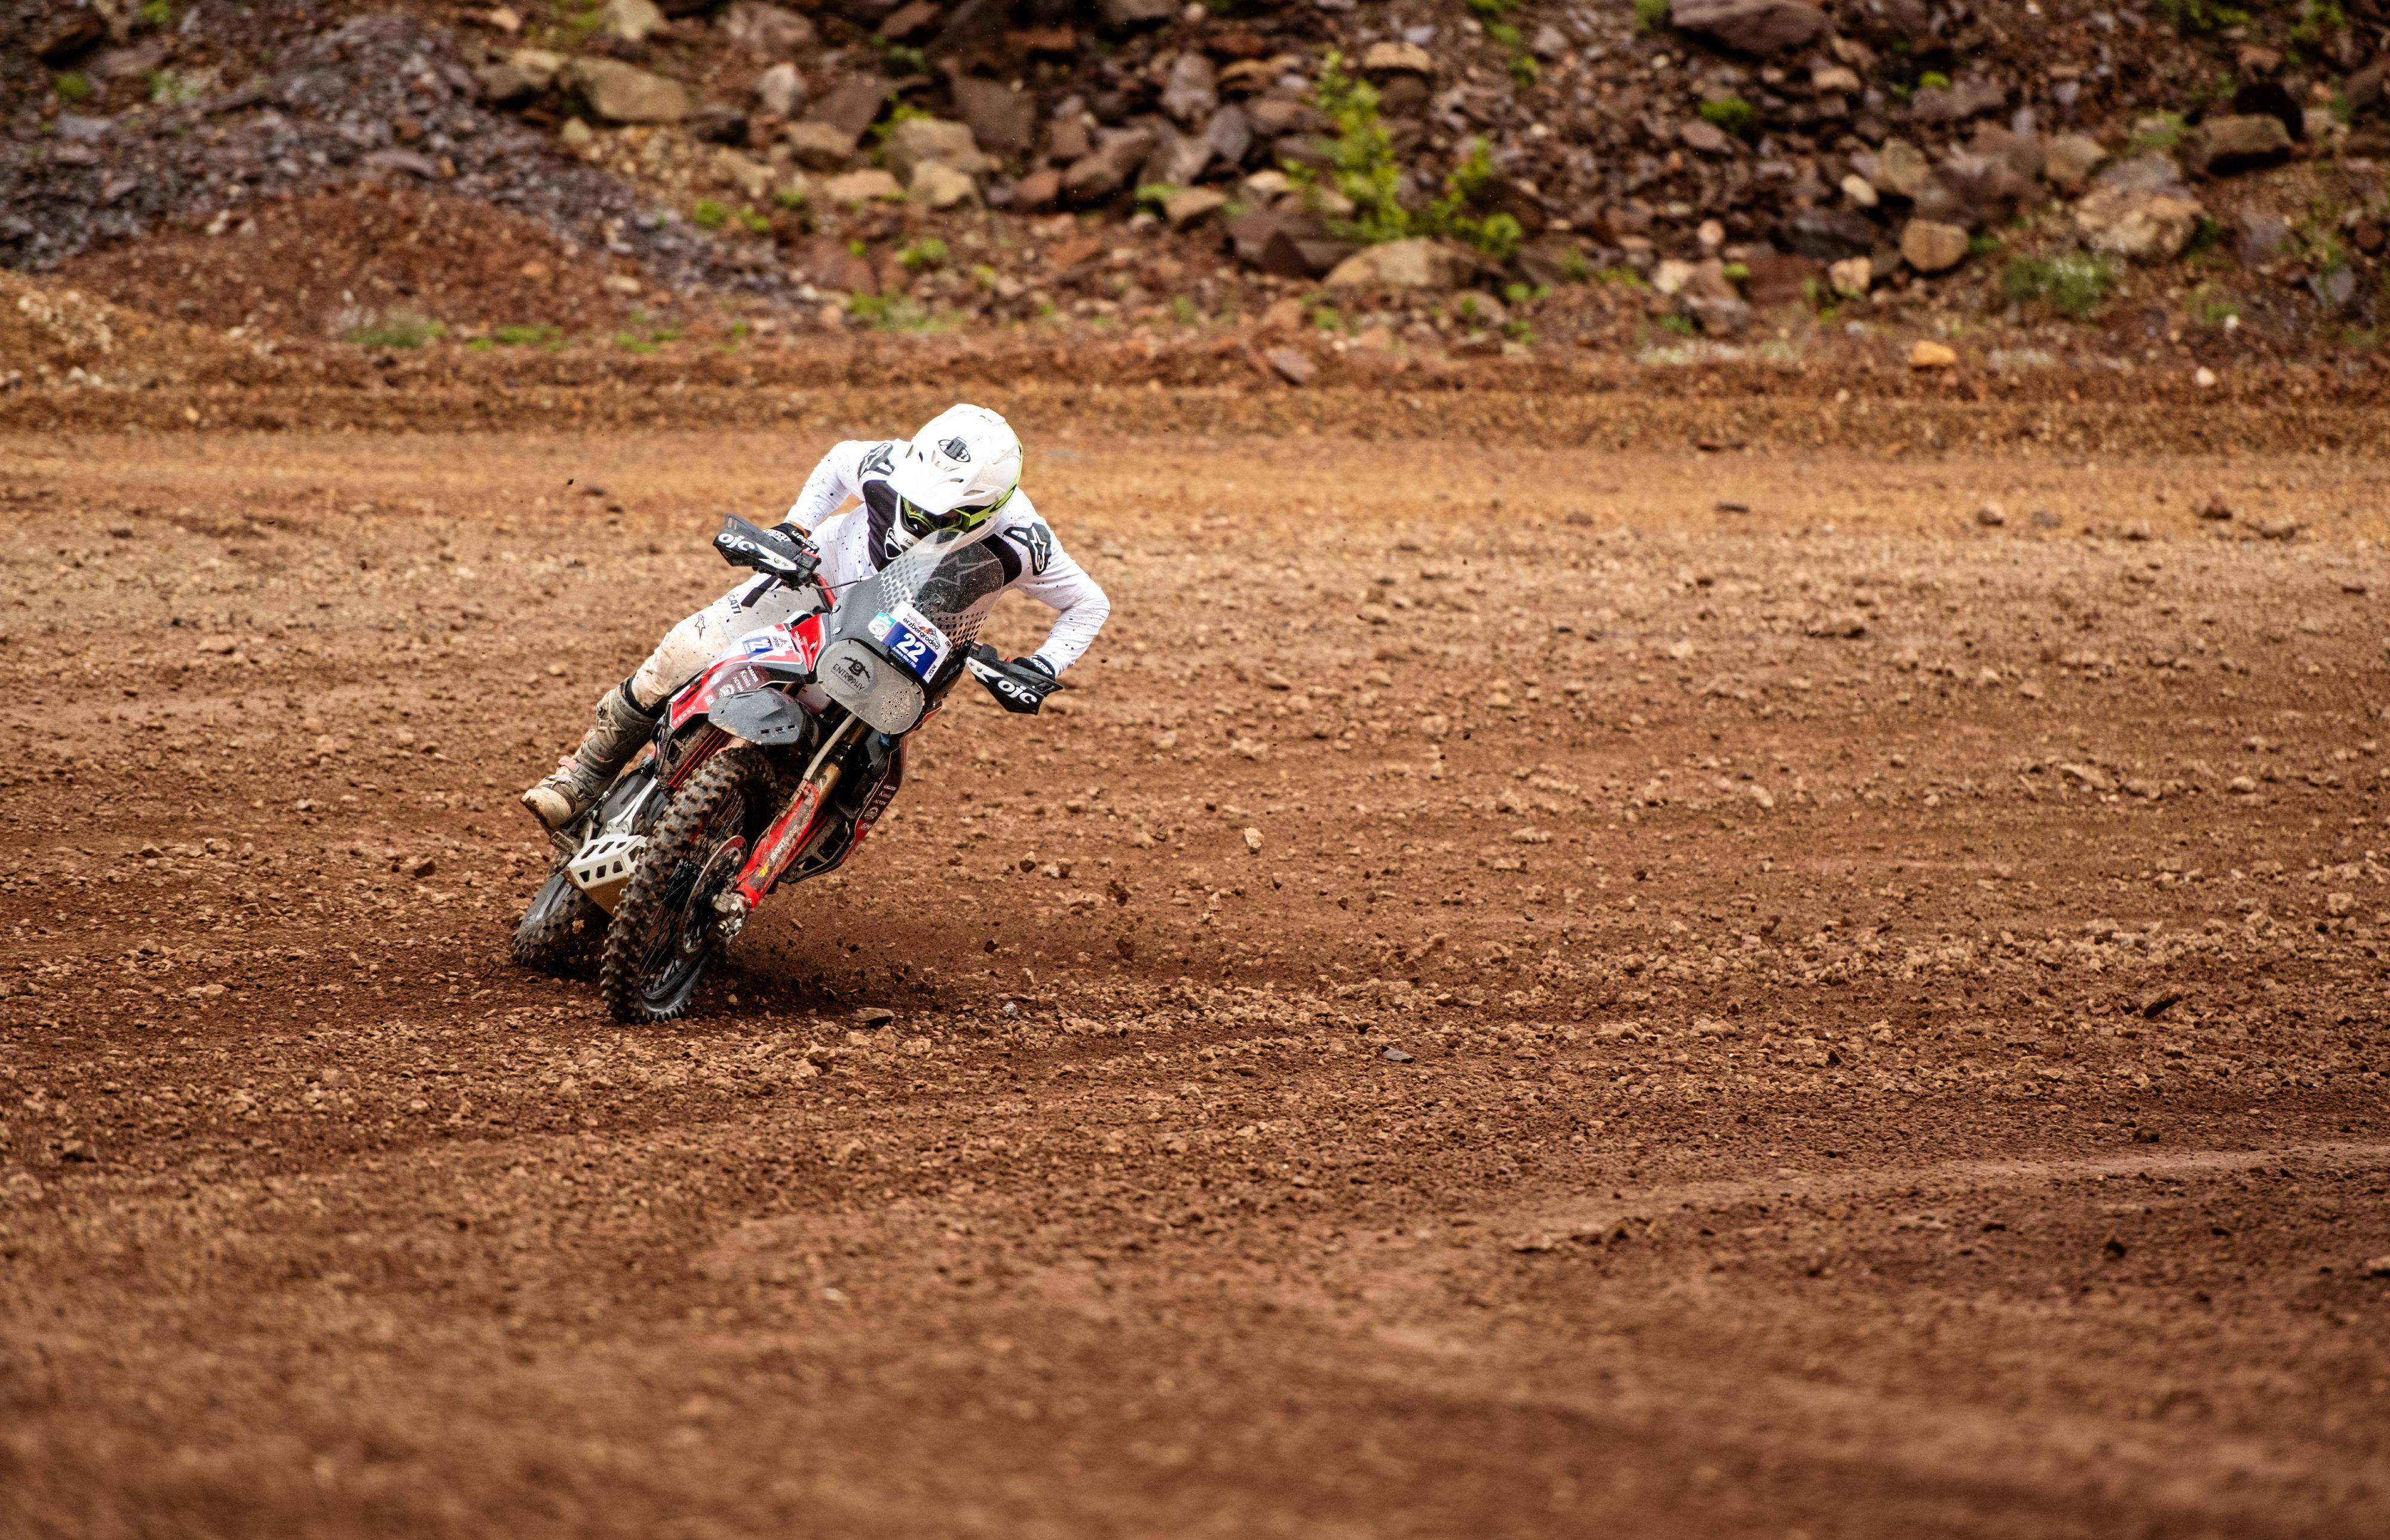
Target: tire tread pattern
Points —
{"points": [[621, 960]]}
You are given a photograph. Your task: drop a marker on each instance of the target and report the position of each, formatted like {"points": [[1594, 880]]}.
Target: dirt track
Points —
{"points": [[1896, 1011]]}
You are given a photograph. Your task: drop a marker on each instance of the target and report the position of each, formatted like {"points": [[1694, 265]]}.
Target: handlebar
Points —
{"points": [[766, 551]]}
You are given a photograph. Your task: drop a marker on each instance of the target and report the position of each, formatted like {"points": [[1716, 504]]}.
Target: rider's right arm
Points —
{"points": [[838, 477]]}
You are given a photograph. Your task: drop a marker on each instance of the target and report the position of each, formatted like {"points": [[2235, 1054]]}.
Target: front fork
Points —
{"points": [[785, 841]]}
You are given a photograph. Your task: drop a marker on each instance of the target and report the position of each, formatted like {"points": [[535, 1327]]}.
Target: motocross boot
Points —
{"points": [[577, 782]]}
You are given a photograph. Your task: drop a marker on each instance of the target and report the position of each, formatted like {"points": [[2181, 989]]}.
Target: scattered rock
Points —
{"points": [[1900, 169], [873, 1018], [1002, 120], [2220, 146], [1417, 262], [819, 146], [1852, 276], [1192, 90], [1395, 1056], [2216, 508], [1930, 247], [1397, 58], [1121, 15], [772, 31], [631, 21], [918, 140], [423, 866], [2139, 226], [780, 90], [1991, 516], [1751, 26], [624, 93], [2070, 160], [1929, 354], [851, 105], [1190, 206], [1292, 366], [862, 186], [1106, 171], [940, 187], [525, 72]]}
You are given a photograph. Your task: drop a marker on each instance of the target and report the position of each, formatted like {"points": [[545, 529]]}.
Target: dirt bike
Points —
{"points": [[769, 768]]}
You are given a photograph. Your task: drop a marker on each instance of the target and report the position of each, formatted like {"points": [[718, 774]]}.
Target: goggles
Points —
{"points": [[921, 520]]}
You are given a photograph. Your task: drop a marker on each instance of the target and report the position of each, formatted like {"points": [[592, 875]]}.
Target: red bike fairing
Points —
{"points": [[800, 643]]}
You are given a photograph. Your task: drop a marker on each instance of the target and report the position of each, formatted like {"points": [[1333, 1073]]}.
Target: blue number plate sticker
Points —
{"points": [[914, 638]]}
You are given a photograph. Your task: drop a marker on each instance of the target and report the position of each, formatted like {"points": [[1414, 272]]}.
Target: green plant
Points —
{"points": [[709, 214], [1576, 267], [518, 337], [1183, 311], [1325, 317], [1983, 243], [756, 224], [903, 112], [2164, 131], [893, 312], [1360, 155], [1681, 324], [169, 89], [2207, 237], [789, 198], [1503, 35], [1735, 272], [157, 14], [479, 344], [1624, 276], [923, 254], [2201, 16], [1932, 79], [1651, 15], [72, 87], [1492, 10], [1731, 115], [1524, 71], [1153, 195], [399, 328], [1520, 332], [2074, 284], [631, 342], [902, 58], [2210, 306]]}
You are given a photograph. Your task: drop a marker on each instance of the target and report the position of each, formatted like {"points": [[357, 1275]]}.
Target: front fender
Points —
{"points": [[765, 717]]}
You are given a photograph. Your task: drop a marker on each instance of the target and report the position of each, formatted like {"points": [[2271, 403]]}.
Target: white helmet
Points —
{"points": [[962, 465]]}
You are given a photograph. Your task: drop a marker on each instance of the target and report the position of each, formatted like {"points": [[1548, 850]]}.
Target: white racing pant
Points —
{"points": [[696, 642]]}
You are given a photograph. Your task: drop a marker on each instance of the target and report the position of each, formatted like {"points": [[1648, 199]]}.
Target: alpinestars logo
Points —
{"points": [[881, 461], [1037, 540], [955, 450]]}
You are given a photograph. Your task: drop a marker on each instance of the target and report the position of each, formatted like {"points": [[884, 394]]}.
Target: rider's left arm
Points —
{"points": [[1066, 586]]}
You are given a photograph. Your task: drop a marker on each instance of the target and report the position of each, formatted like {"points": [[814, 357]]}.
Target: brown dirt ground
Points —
{"points": [[1896, 1009]]}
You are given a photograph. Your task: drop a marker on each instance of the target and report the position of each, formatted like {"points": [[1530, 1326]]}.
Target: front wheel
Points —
{"points": [[662, 939], [557, 925]]}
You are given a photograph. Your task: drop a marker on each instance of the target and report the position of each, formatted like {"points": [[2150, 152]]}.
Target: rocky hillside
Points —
{"points": [[1413, 172]]}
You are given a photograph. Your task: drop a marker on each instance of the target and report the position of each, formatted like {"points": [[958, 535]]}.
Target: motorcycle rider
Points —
{"points": [[961, 471]]}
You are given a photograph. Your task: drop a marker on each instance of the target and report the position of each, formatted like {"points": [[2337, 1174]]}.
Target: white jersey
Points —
{"points": [[858, 543]]}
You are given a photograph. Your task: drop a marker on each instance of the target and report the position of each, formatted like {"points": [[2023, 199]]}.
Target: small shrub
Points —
{"points": [[157, 14], [1503, 35], [1624, 276], [903, 112], [1492, 10], [631, 342], [1524, 71], [523, 337], [923, 255], [1983, 243], [2074, 285], [1731, 115], [72, 87], [756, 224], [709, 214], [1576, 268], [398, 329], [169, 89], [1681, 324], [1651, 15], [1933, 80], [891, 313], [789, 198], [904, 59], [2165, 131], [2201, 16]]}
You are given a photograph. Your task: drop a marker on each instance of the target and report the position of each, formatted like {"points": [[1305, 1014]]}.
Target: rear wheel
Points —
{"points": [[558, 926], [662, 937]]}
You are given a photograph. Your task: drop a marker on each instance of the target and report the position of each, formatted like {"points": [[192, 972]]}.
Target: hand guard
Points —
{"points": [[1019, 685]]}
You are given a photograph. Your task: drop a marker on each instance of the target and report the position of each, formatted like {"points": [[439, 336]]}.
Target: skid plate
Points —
{"points": [[603, 868]]}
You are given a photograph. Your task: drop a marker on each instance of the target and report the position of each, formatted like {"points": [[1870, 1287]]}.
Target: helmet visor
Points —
{"points": [[921, 521]]}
